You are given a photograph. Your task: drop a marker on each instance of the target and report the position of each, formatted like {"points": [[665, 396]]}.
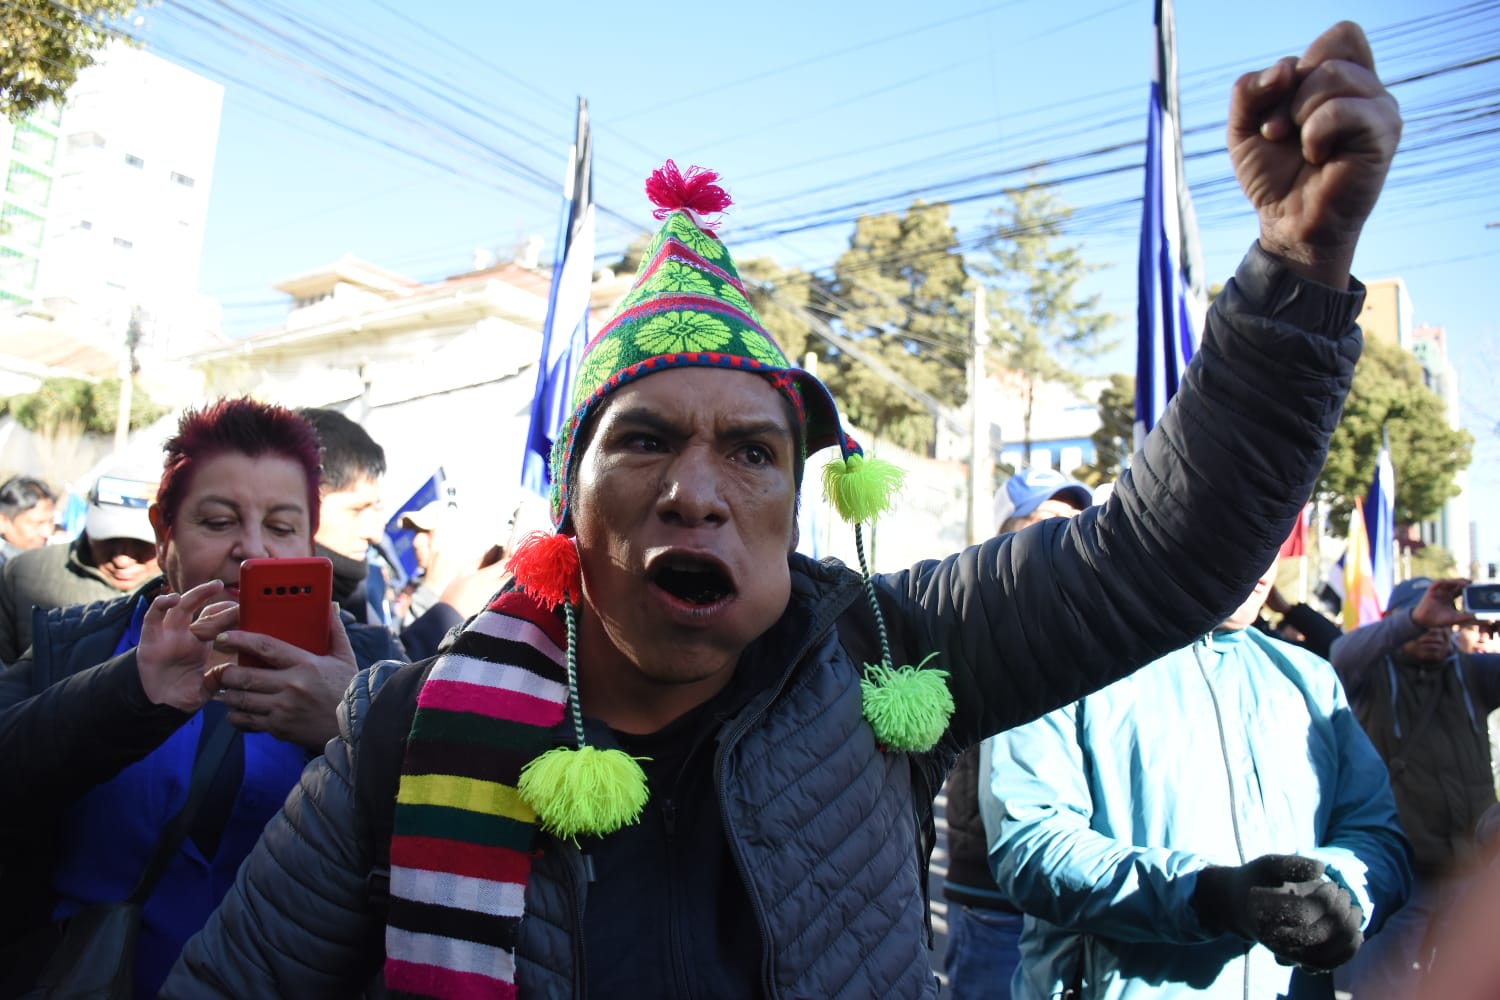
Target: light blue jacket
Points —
{"points": [[1100, 814]]}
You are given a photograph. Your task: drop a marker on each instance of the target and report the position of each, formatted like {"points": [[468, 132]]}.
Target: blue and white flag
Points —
{"points": [[567, 327], [1172, 300], [1380, 525], [398, 548]]}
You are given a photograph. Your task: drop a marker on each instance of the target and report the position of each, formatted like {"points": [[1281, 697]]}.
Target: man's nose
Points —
{"points": [[692, 489]]}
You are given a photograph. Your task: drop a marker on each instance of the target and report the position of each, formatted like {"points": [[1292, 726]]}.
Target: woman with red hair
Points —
{"points": [[102, 720]]}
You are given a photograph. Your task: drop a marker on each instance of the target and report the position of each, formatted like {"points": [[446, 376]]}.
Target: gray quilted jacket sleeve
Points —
{"points": [[297, 923], [1031, 621]]}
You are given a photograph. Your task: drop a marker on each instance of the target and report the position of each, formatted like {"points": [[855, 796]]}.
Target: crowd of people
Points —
{"points": [[652, 750]]}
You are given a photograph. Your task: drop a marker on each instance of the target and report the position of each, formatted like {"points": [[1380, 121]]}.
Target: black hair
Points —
{"points": [[18, 494], [349, 453]]}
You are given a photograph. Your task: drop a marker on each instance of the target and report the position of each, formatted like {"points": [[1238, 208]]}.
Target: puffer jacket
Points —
{"points": [[32, 583], [72, 716], [822, 821], [1102, 814]]}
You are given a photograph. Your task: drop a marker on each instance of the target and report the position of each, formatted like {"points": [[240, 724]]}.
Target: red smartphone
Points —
{"points": [[287, 599]]}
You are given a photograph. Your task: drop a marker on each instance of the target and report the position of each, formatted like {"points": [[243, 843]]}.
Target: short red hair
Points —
{"points": [[238, 425]]}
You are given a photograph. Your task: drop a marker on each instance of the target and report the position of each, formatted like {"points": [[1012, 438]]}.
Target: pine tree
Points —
{"points": [[1041, 327], [898, 293]]}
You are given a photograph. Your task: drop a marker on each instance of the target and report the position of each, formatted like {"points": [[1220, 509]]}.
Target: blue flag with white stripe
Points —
{"points": [[567, 328], [1380, 525], [1172, 302]]}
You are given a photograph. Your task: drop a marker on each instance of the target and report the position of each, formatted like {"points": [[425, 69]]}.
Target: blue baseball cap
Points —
{"points": [[1407, 594], [1028, 489]]}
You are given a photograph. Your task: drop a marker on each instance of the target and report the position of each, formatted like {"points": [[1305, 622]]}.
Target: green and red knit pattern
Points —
{"points": [[463, 839]]}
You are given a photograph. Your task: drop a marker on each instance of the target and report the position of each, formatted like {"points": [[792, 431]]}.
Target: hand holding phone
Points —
{"points": [[286, 599]]}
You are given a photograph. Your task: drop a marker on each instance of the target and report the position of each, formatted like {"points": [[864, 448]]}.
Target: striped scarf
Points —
{"points": [[462, 843]]}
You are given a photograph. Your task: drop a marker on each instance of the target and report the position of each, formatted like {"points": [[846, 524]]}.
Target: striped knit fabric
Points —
{"points": [[462, 842]]}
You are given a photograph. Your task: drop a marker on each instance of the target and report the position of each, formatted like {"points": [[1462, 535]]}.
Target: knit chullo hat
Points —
{"points": [[687, 308]]}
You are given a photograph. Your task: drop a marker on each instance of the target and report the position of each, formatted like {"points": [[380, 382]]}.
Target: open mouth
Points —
{"points": [[699, 582]]}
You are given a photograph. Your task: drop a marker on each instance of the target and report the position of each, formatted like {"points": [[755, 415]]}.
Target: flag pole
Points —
{"points": [[565, 332]]}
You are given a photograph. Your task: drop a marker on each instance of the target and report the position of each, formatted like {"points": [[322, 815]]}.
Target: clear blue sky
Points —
{"points": [[458, 136]]}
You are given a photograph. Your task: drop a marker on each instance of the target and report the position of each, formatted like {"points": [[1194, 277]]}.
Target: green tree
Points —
{"points": [[1041, 327], [1390, 394], [44, 45], [61, 403], [1114, 438], [782, 298], [1433, 561], [898, 295]]}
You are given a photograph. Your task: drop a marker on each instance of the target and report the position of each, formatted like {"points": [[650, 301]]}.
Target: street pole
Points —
{"points": [[127, 381], [981, 461]]}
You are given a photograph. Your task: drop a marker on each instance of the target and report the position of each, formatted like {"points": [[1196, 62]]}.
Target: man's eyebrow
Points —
{"points": [[756, 428], [645, 416], [642, 416]]}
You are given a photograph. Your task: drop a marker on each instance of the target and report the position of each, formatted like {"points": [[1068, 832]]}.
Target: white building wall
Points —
{"points": [[134, 173]]}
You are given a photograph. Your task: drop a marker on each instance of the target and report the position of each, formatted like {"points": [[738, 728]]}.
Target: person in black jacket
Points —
{"points": [[102, 719], [667, 765]]}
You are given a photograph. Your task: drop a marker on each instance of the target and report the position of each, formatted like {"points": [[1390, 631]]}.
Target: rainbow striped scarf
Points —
{"points": [[462, 844]]}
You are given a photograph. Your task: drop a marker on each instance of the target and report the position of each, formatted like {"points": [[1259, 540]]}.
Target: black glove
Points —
{"points": [[1283, 902]]}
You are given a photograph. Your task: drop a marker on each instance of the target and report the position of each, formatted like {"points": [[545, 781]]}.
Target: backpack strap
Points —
{"points": [[377, 773]]}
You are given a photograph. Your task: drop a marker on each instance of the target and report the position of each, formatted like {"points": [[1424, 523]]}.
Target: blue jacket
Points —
{"points": [[102, 770], [1101, 813]]}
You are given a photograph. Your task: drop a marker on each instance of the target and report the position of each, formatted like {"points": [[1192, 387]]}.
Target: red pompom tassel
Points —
{"points": [[696, 191], [546, 567]]}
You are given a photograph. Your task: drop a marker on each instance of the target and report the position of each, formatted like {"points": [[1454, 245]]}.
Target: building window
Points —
{"points": [[32, 142], [183, 179], [22, 226], [131, 160], [17, 270], [123, 243], [28, 184], [85, 140]]}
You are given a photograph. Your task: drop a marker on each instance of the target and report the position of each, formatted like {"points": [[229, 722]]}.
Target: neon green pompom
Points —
{"points": [[860, 488], [908, 707], [586, 790]]}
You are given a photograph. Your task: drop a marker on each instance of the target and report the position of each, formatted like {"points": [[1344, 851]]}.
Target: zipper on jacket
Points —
{"points": [[728, 738], [669, 819], [1234, 813], [580, 871]]}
